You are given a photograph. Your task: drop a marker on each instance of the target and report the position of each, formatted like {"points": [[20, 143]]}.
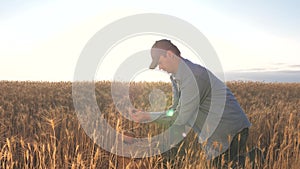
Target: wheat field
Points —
{"points": [[39, 127]]}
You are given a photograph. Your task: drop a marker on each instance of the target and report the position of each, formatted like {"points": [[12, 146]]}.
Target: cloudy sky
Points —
{"points": [[254, 40]]}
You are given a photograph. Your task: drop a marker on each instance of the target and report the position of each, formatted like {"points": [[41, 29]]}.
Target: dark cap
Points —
{"points": [[160, 48]]}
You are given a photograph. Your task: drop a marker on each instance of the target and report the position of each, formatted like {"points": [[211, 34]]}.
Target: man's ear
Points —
{"points": [[169, 54]]}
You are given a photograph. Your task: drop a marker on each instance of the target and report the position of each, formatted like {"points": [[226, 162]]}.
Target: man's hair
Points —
{"points": [[165, 45]]}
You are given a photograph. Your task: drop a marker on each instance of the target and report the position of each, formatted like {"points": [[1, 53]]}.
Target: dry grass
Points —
{"points": [[39, 127]]}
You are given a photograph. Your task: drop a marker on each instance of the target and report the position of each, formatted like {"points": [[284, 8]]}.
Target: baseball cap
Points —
{"points": [[159, 48]]}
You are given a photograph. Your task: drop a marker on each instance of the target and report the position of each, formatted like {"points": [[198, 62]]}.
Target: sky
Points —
{"points": [[254, 40]]}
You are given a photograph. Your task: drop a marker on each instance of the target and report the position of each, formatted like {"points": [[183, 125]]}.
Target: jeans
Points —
{"points": [[235, 155], [175, 156]]}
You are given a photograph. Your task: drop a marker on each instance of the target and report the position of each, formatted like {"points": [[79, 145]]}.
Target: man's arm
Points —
{"points": [[188, 106]]}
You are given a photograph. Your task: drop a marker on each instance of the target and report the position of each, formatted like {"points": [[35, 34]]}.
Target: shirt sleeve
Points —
{"points": [[189, 101], [188, 106]]}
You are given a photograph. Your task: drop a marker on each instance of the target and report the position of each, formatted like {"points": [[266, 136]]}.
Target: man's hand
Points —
{"points": [[139, 116]]}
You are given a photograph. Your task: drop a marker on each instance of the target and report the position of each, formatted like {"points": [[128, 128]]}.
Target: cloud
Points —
{"points": [[265, 76], [295, 66], [276, 72], [277, 67]]}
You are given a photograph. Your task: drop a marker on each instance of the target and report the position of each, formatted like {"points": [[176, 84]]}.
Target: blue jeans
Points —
{"points": [[235, 154]]}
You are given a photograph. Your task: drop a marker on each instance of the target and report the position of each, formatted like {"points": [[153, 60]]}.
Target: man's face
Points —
{"points": [[165, 63]]}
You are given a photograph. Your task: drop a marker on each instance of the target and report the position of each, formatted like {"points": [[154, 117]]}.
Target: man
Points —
{"points": [[202, 102]]}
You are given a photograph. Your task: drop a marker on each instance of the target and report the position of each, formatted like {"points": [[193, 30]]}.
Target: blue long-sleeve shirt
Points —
{"points": [[208, 107]]}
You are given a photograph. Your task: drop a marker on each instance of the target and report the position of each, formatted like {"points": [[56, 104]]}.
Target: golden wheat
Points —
{"points": [[39, 127]]}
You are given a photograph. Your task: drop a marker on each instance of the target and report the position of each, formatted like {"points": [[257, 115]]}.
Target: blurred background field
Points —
{"points": [[39, 127]]}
